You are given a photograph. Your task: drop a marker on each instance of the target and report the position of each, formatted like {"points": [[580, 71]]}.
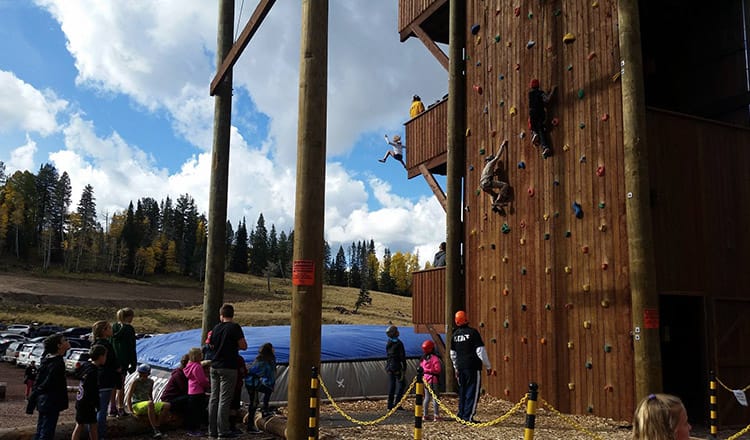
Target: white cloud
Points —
{"points": [[24, 108], [22, 158]]}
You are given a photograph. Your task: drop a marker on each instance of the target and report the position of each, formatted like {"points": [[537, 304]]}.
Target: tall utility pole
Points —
{"points": [[213, 287], [644, 297], [307, 277], [454, 282]]}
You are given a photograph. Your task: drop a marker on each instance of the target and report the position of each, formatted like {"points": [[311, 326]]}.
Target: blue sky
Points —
{"points": [[116, 94]]}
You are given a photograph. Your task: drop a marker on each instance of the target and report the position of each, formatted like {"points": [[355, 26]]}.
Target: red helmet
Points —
{"points": [[428, 346], [460, 318], [534, 84]]}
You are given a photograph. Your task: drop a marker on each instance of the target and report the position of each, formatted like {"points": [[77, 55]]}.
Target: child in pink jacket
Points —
{"points": [[431, 366], [197, 386]]}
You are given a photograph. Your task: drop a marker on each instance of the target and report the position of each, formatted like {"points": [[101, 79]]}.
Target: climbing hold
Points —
{"points": [[587, 324], [595, 4], [493, 340], [603, 227], [546, 235], [522, 134], [493, 308], [523, 307], [582, 125], [468, 132], [548, 270], [548, 306], [502, 103], [489, 69], [531, 192], [522, 241], [543, 341], [571, 345], [629, 194], [568, 270], [566, 147], [567, 234], [530, 44], [582, 159], [473, 232], [545, 217], [508, 44], [493, 133], [555, 122], [477, 192], [609, 387], [481, 277], [517, 11], [501, 77], [506, 358], [497, 10], [605, 303], [522, 165], [569, 67], [482, 151], [477, 88], [524, 339], [589, 365], [471, 167], [577, 210], [581, 93], [602, 205], [591, 56], [478, 40], [505, 228], [506, 323], [607, 348], [522, 224], [481, 324], [475, 29], [478, 63], [549, 48], [492, 246], [586, 287], [513, 110], [523, 272], [506, 291], [530, 15], [504, 259], [556, 12], [556, 182], [568, 306], [497, 38], [600, 170], [518, 67], [507, 392], [571, 386], [605, 266], [585, 249], [485, 110], [590, 409], [569, 38], [605, 117]]}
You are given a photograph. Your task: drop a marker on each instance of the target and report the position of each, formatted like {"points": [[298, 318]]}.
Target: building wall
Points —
{"points": [[531, 310]]}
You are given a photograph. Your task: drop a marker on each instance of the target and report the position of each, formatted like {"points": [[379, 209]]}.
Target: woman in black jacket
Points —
{"points": [[50, 394]]}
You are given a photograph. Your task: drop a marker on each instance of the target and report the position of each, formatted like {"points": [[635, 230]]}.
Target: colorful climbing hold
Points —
{"points": [[577, 210], [475, 29], [513, 110], [522, 134], [522, 241], [497, 38], [555, 122], [603, 227], [524, 340], [566, 147], [506, 324], [589, 365], [531, 192], [557, 12], [477, 88], [607, 348], [517, 11], [478, 40], [591, 56], [523, 307], [530, 15], [569, 67], [605, 303], [543, 341], [605, 266], [530, 44], [545, 217], [600, 170], [584, 249], [548, 306], [505, 228], [602, 205], [581, 93], [522, 224], [518, 67], [548, 270], [567, 234], [501, 77], [482, 151], [582, 159], [478, 63], [586, 287], [508, 44], [522, 165], [468, 132], [569, 38], [571, 385], [477, 192], [471, 167], [504, 259], [502, 103], [568, 270], [546, 235], [587, 324], [605, 117], [581, 125]]}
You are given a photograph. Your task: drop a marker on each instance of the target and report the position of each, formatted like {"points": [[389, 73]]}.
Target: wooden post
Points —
{"points": [[213, 287], [454, 283], [307, 276], [644, 297]]}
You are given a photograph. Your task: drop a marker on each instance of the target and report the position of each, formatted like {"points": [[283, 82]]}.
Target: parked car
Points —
{"points": [[47, 330], [79, 343], [4, 343], [21, 329], [36, 354], [76, 332], [74, 358], [11, 353], [23, 355], [12, 336]]}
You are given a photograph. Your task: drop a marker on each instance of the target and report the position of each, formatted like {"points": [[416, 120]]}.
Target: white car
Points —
{"points": [[13, 336], [36, 354], [23, 355], [20, 329], [74, 358], [11, 353]]}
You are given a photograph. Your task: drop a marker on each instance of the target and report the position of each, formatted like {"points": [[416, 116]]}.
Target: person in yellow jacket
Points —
{"points": [[416, 106]]}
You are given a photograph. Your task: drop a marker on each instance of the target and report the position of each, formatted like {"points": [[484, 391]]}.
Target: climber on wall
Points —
{"points": [[493, 184], [538, 99]]}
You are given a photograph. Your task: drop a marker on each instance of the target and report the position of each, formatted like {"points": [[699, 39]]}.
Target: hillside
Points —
{"points": [[165, 304]]}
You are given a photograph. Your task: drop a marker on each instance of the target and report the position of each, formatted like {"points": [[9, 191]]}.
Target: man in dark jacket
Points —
{"points": [[468, 354], [395, 365], [50, 394]]}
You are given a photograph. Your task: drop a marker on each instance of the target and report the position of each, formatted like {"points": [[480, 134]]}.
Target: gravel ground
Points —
{"points": [[398, 426]]}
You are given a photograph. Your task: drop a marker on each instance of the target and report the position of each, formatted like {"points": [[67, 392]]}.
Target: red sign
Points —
{"points": [[651, 318], [303, 273]]}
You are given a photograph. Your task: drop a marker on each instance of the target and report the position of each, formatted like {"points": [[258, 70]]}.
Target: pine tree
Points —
{"points": [[339, 268], [387, 284], [228, 245], [273, 251], [355, 275], [63, 192], [186, 224], [327, 264], [238, 261], [259, 248]]}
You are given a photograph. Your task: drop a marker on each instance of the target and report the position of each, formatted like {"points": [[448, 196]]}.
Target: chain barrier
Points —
{"points": [[366, 422], [570, 421], [730, 389], [740, 434], [500, 419]]}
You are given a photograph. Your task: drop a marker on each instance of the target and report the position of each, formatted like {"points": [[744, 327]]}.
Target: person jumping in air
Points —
{"points": [[498, 189], [538, 99], [396, 152]]}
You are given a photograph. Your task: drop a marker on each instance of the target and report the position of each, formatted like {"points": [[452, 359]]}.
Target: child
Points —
{"points": [[661, 417], [140, 400], [87, 399], [498, 189], [396, 367], [198, 385], [176, 390], [50, 393], [109, 373], [538, 99], [431, 366], [123, 342], [261, 378], [29, 376], [397, 152]]}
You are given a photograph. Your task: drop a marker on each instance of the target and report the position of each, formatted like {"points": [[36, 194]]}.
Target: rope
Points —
{"points": [[500, 419], [729, 389], [237, 28], [366, 422], [570, 421], [739, 434]]}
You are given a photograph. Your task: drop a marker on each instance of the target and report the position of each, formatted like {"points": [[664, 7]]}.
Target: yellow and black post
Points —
{"points": [[312, 424], [528, 432], [712, 404], [418, 405]]}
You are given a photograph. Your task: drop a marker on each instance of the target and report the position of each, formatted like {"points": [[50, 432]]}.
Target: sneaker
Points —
{"points": [[547, 152], [427, 418], [400, 408], [196, 434], [157, 434], [535, 139], [113, 412], [122, 413], [228, 435], [381, 160]]}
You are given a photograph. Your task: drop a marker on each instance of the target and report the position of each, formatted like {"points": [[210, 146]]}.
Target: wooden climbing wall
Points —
{"points": [[549, 291]]}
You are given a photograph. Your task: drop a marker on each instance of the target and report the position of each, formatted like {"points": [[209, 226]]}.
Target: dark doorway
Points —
{"points": [[683, 352]]}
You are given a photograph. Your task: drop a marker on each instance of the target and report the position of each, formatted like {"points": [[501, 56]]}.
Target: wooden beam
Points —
{"points": [[239, 46], [431, 45], [435, 186]]}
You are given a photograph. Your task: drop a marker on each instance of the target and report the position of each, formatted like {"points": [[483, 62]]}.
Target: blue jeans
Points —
{"points": [[396, 387], [223, 383], [45, 425], [101, 414], [468, 393]]}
